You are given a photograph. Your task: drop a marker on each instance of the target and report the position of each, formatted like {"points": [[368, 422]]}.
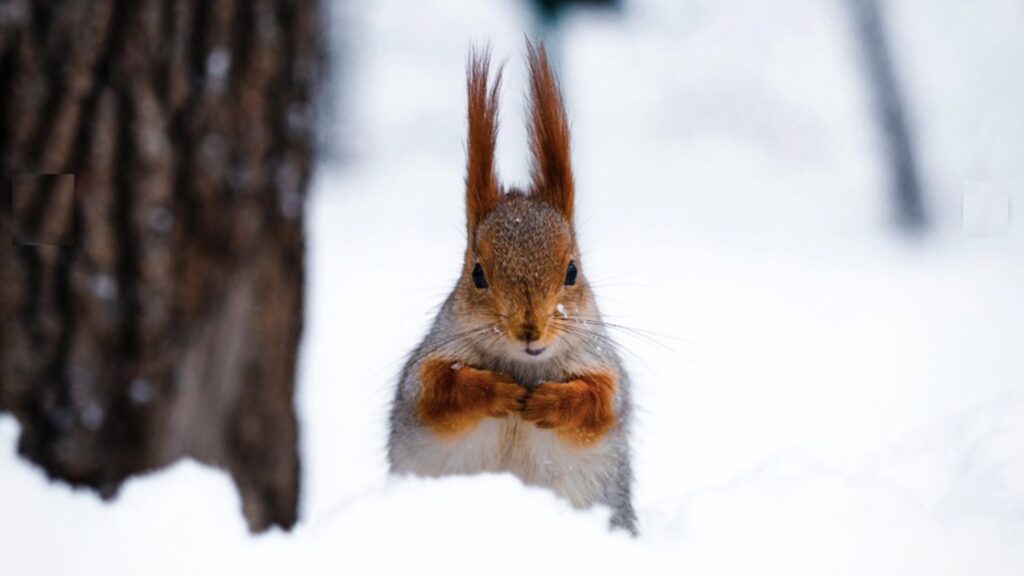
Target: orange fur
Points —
{"points": [[526, 285], [549, 136], [580, 410], [454, 398], [482, 188]]}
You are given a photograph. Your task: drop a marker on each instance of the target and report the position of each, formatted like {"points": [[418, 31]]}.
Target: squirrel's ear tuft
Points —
{"points": [[482, 188], [549, 135]]}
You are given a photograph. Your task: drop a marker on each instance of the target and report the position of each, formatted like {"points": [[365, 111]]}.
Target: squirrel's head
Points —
{"points": [[522, 277]]}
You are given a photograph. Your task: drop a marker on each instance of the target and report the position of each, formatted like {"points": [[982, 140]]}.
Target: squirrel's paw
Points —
{"points": [[579, 410], [507, 396], [547, 406]]}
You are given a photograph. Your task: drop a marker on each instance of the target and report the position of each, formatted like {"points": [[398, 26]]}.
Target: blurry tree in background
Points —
{"points": [[549, 14], [552, 9], [152, 306], [905, 182], [908, 206]]}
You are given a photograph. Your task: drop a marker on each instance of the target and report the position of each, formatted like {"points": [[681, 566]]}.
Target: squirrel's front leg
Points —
{"points": [[454, 398], [581, 410]]}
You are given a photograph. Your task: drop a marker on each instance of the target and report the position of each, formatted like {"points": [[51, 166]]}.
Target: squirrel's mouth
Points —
{"points": [[535, 351]]}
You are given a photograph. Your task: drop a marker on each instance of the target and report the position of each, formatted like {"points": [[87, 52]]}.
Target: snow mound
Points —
{"points": [[947, 501]]}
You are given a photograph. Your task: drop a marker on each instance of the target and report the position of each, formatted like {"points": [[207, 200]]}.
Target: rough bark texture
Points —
{"points": [[155, 312]]}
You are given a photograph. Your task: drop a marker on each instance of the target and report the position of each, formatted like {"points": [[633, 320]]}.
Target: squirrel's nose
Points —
{"points": [[528, 333]]}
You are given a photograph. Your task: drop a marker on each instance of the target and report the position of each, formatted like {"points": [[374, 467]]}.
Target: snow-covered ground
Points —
{"points": [[817, 394]]}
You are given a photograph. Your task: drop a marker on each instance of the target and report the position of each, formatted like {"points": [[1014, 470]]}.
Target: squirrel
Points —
{"points": [[517, 372]]}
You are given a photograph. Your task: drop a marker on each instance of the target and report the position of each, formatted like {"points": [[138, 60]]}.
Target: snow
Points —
{"points": [[816, 394]]}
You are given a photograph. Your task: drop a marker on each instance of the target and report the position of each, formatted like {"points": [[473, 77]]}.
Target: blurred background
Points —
{"points": [[801, 212]]}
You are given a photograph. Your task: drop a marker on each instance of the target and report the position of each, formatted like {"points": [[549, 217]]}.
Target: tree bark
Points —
{"points": [[154, 310]]}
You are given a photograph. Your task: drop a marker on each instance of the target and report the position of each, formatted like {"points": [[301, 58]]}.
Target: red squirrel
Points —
{"points": [[517, 372]]}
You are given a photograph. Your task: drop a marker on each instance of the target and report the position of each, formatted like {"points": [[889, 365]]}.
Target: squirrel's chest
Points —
{"points": [[538, 457]]}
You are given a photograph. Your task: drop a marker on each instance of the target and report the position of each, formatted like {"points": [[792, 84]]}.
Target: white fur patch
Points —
{"points": [[538, 457]]}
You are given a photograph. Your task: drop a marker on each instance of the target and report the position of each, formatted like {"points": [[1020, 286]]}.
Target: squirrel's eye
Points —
{"points": [[478, 277], [570, 274]]}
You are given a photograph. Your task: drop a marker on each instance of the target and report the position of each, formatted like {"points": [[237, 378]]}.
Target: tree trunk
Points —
{"points": [[890, 106], [151, 299]]}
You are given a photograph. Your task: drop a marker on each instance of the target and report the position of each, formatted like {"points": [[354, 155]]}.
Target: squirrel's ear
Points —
{"points": [[482, 188], [549, 135]]}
